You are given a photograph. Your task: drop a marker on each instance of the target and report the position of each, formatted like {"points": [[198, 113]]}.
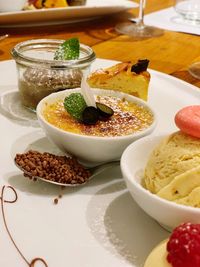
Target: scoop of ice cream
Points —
{"points": [[174, 156], [182, 185], [192, 199]]}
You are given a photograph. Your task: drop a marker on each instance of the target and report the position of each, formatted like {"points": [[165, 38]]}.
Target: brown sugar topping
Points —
{"points": [[128, 118]]}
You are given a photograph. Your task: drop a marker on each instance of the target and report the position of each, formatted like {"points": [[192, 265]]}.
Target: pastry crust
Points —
{"points": [[120, 77]]}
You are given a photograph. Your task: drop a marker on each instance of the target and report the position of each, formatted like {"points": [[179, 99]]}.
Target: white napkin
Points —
{"points": [[168, 19]]}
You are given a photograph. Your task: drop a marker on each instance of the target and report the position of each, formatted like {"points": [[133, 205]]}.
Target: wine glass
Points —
{"points": [[2, 37], [189, 11], [138, 29]]}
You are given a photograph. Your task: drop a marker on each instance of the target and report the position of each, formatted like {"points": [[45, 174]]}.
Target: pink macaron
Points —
{"points": [[188, 120]]}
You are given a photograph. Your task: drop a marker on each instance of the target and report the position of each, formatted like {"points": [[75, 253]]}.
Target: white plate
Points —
{"points": [[93, 226], [92, 9]]}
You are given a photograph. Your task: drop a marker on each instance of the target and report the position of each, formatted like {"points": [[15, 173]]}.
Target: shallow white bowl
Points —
{"points": [[90, 148], [167, 213], [11, 5]]}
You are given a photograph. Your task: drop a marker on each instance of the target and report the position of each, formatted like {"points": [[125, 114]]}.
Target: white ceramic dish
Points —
{"points": [[93, 8], [10, 5], [87, 148], [167, 213], [93, 226]]}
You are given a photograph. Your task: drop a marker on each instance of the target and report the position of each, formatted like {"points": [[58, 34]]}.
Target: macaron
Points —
{"points": [[188, 120]]}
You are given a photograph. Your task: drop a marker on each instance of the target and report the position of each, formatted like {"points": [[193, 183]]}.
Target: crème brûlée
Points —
{"points": [[122, 77], [128, 118]]}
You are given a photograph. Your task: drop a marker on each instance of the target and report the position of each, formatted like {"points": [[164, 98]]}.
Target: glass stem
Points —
{"points": [[141, 12]]}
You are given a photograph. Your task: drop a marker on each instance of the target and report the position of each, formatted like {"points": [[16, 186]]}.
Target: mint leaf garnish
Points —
{"points": [[74, 104], [68, 50]]}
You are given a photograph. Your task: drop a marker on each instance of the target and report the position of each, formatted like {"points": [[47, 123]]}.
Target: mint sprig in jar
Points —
{"points": [[41, 72]]}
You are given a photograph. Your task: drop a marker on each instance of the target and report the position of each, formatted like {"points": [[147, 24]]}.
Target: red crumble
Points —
{"points": [[184, 246]]}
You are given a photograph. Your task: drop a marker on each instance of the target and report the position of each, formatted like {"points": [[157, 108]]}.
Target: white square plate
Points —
{"points": [[97, 225], [92, 9]]}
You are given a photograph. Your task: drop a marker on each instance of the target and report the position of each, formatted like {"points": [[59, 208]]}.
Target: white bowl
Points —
{"points": [[11, 5], [167, 213], [90, 148]]}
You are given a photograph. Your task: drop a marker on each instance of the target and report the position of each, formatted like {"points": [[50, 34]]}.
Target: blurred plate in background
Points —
{"points": [[93, 9]]}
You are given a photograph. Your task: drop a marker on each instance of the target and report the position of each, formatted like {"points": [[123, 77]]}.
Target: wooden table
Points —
{"points": [[170, 53]]}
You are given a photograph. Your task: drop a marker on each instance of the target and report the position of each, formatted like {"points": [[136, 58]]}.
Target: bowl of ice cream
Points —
{"points": [[104, 141], [162, 174]]}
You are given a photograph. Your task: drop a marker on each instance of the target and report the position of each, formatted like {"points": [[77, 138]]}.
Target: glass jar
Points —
{"points": [[40, 75], [189, 10]]}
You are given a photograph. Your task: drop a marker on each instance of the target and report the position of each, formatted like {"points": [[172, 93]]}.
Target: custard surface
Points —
{"points": [[128, 118]]}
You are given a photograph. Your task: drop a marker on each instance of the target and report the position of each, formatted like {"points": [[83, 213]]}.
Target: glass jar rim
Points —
{"points": [[17, 53]]}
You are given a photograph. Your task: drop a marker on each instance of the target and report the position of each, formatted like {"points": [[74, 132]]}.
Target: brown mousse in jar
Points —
{"points": [[36, 83], [128, 118]]}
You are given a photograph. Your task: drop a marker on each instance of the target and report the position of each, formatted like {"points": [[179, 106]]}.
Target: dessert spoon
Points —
{"points": [[93, 170]]}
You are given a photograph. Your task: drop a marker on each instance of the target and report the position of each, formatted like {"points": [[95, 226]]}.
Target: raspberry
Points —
{"points": [[184, 246]]}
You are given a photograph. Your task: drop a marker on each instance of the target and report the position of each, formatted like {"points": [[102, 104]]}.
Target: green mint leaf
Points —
{"points": [[74, 104], [68, 50]]}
